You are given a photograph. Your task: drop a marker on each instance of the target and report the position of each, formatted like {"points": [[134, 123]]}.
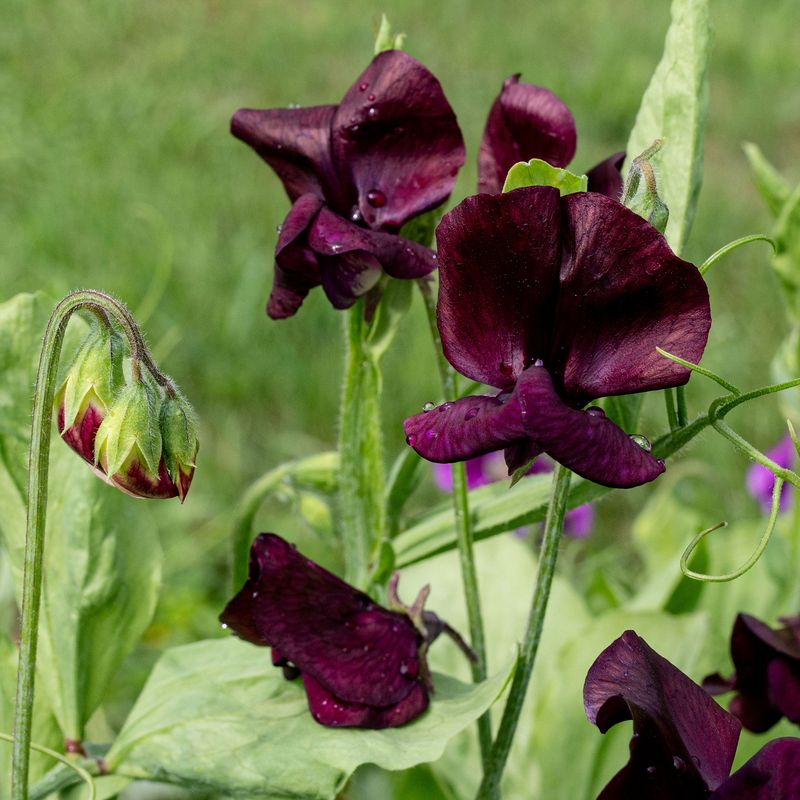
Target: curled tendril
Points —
{"points": [[84, 775], [754, 557], [731, 246]]}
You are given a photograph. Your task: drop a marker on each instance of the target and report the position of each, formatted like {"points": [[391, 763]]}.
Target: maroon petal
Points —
{"points": [[525, 122], [623, 293], [606, 177], [396, 141], [587, 442], [81, 434], [332, 235], [333, 633], [783, 680], [348, 276], [327, 709], [520, 453], [683, 743], [773, 773], [296, 264], [498, 267], [295, 142], [469, 427]]}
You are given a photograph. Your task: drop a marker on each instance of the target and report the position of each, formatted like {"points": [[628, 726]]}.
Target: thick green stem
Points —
{"points": [[38, 469], [683, 414], [672, 414], [553, 528], [466, 555], [362, 476]]}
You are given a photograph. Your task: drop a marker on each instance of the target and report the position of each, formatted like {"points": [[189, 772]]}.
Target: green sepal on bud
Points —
{"points": [[179, 441], [128, 447], [88, 390]]}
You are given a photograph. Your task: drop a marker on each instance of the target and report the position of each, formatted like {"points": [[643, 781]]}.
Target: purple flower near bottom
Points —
{"points": [[489, 468], [760, 481], [362, 665], [683, 743], [767, 677]]}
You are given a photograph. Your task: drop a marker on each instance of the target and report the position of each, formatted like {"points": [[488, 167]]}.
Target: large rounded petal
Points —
{"points": [[525, 122], [773, 773], [296, 264], [623, 293], [683, 743], [355, 649], [606, 177], [498, 269], [396, 142], [587, 442], [295, 142]]}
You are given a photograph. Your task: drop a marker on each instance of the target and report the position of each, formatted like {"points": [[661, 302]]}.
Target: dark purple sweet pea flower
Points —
{"points": [[489, 468], [528, 121], [355, 174], [556, 301], [361, 665], [760, 481], [683, 743], [767, 676]]}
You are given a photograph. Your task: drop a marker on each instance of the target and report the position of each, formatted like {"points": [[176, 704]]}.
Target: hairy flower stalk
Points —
{"points": [[106, 310]]}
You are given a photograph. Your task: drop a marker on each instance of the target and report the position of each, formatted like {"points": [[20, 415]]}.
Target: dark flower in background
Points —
{"points": [[361, 665], [355, 174], [683, 743], [760, 480], [767, 676], [528, 121], [556, 302], [489, 468]]}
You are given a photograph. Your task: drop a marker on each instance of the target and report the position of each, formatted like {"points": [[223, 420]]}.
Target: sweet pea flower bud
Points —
{"points": [[128, 446], [179, 441], [88, 390]]}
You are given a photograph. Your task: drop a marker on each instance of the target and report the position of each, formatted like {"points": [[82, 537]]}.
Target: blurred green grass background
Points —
{"points": [[118, 172]]}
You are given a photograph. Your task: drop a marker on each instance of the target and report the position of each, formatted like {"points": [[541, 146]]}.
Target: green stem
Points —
{"points": [[672, 414], [464, 541], [683, 414], [553, 528], [362, 477], [38, 470]]}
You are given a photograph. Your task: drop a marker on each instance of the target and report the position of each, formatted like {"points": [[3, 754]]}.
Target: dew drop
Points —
{"points": [[354, 128], [696, 761], [336, 248], [255, 595], [678, 763], [506, 368], [403, 668], [651, 770], [376, 198], [356, 215], [471, 414], [445, 406], [595, 411], [411, 440], [538, 363], [429, 406], [431, 435], [372, 112], [363, 87], [294, 105], [371, 98], [279, 228], [642, 441], [224, 626]]}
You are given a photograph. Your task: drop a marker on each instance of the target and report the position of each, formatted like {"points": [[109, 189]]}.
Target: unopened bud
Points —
{"points": [[179, 441], [88, 390], [645, 199]]}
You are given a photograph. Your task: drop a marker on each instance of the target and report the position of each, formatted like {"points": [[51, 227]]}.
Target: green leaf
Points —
{"points": [[392, 308], [674, 107], [786, 261], [624, 410], [386, 39], [102, 555], [771, 185], [217, 715], [539, 173]]}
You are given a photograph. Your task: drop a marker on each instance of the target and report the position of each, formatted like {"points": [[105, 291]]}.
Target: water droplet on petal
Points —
{"points": [[429, 406], [678, 763], [445, 406], [696, 761], [642, 441], [353, 129], [403, 668], [506, 368], [363, 87], [595, 411], [372, 112], [356, 215], [411, 440], [279, 228], [651, 770], [224, 626], [376, 198], [538, 363], [294, 105], [336, 248], [371, 98], [255, 595], [430, 435], [471, 414]]}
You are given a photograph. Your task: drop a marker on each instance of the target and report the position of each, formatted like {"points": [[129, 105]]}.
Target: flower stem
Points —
{"points": [[683, 414], [553, 528], [672, 414], [362, 475], [469, 574], [38, 470]]}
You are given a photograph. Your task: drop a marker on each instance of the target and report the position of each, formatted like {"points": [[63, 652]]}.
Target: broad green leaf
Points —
{"points": [[106, 787], [674, 107], [771, 185], [539, 173], [217, 715], [102, 555], [45, 729]]}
